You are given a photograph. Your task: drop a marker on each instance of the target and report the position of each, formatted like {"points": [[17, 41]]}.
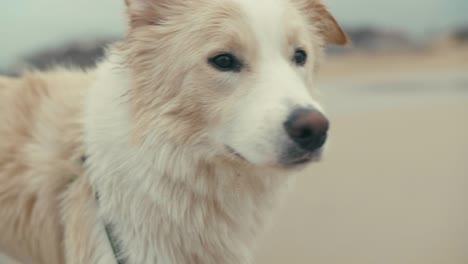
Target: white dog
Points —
{"points": [[176, 148]]}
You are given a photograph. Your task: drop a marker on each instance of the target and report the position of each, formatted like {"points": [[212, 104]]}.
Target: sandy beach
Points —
{"points": [[393, 188]]}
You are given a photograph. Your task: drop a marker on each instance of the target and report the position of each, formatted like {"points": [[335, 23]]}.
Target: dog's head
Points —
{"points": [[234, 76]]}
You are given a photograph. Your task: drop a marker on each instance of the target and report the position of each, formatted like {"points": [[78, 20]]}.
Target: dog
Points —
{"points": [[177, 147]]}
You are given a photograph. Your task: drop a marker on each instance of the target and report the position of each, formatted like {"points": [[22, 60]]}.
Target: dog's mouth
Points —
{"points": [[234, 153], [303, 159], [300, 161], [297, 161]]}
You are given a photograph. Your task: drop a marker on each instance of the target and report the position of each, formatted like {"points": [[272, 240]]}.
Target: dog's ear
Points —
{"points": [[327, 25], [146, 12]]}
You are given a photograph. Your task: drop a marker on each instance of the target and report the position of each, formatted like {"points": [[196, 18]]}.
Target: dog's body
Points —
{"points": [[167, 133]]}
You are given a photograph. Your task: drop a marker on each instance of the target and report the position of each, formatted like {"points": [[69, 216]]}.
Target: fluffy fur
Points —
{"points": [[186, 159]]}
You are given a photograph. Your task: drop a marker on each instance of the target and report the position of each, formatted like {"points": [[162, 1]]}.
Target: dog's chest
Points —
{"points": [[182, 226]]}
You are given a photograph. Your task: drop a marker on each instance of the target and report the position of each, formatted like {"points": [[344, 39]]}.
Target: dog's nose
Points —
{"points": [[308, 128]]}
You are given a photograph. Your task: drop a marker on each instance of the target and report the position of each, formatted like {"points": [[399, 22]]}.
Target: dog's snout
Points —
{"points": [[308, 128]]}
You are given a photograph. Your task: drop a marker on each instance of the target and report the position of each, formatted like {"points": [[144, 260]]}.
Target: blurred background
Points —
{"points": [[394, 185]]}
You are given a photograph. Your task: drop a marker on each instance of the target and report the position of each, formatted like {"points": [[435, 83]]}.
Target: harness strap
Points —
{"points": [[114, 244], [116, 250]]}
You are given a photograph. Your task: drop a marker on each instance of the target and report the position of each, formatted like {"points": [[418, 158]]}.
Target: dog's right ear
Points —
{"points": [[147, 12], [326, 24]]}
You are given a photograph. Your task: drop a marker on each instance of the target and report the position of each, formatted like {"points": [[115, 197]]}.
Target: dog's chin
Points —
{"points": [[302, 162], [299, 159], [293, 160]]}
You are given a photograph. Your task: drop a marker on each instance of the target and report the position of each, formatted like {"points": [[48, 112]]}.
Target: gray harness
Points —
{"points": [[116, 250]]}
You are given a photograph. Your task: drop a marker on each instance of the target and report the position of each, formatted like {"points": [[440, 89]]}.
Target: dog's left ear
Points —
{"points": [[327, 25], [146, 12], [137, 5]]}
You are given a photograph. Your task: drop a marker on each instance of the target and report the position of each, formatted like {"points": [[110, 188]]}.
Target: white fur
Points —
{"points": [[127, 178], [257, 132], [137, 184]]}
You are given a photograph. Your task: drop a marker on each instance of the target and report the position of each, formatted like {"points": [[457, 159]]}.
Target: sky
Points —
{"points": [[414, 16], [28, 25]]}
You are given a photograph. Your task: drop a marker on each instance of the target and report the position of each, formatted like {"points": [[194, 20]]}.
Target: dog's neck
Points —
{"points": [[170, 204]]}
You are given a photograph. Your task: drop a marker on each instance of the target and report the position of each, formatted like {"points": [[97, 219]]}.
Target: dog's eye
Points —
{"points": [[226, 62], [300, 57]]}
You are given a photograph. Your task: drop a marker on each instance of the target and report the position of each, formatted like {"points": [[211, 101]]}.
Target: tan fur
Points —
{"points": [[40, 147], [327, 25], [207, 19], [48, 210]]}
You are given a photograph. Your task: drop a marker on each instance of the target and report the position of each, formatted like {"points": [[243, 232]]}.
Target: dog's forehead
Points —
{"points": [[267, 18]]}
